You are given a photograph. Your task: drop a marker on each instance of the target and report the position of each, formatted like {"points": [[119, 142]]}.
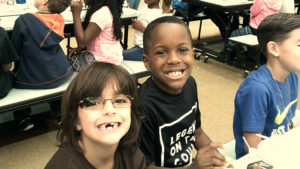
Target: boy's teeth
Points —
{"points": [[178, 73]]}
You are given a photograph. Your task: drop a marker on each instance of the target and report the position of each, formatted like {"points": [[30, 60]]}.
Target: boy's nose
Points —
{"points": [[173, 58], [109, 108]]}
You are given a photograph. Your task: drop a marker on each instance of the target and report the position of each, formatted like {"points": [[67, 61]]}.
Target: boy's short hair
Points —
{"points": [[58, 6], [152, 25], [276, 27]]}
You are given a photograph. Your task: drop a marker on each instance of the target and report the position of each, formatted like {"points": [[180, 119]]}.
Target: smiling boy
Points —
{"points": [[169, 100]]}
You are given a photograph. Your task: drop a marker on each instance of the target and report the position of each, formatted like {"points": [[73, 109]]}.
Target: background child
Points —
{"points": [[169, 100], [259, 10], [100, 121], [42, 64], [266, 101], [8, 55], [188, 10], [100, 33], [150, 12], [36, 38], [134, 4]]}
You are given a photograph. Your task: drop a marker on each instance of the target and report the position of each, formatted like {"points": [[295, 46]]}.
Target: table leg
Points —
{"points": [[125, 44]]}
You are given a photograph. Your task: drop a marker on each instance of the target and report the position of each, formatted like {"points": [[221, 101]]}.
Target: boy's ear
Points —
{"points": [[45, 2], [146, 61], [273, 48]]}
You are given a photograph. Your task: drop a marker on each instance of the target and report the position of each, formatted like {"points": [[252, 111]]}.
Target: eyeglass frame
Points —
{"points": [[103, 101]]}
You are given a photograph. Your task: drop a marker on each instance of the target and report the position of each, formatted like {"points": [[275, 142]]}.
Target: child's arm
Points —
{"points": [[136, 24], [83, 37], [256, 9], [252, 139], [202, 139], [206, 157], [6, 67], [207, 154]]}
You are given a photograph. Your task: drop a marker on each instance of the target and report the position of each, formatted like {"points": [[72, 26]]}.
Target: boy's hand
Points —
{"points": [[136, 24], [208, 157], [76, 6], [74, 51]]}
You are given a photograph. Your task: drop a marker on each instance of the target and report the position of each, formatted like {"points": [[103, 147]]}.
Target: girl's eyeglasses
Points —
{"points": [[95, 103]]}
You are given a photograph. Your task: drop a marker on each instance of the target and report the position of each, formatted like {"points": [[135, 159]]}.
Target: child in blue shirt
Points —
{"points": [[43, 64], [266, 101], [8, 55]]}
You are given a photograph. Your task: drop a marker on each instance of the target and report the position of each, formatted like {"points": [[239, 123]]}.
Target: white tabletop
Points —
{"points": [[226, 3], [9, 13], [134, 67], [250, 40], [282, 152], [21, 95]]}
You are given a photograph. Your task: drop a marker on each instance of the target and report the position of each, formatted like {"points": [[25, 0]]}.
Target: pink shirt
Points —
{"points": [[261, 9], [104, 47]]}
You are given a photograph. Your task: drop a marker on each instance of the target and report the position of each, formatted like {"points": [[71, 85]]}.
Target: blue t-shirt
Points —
{"points": [[265, 105], [179, 4]]}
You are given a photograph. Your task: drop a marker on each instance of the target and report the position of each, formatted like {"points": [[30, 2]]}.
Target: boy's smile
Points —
{"points": [[175, 74], [170, 57]]}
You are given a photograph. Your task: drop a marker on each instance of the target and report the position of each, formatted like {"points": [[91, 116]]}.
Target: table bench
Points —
{"points": [[248, 41], [199, 17], [9, 14], [22, 98]]}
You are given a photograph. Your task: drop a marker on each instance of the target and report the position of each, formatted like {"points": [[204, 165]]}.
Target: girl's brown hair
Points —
{"points": [[90, 82]]}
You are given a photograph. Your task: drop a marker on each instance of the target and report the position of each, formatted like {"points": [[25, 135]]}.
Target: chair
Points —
{"points": [[188, 16], [251, 42]]}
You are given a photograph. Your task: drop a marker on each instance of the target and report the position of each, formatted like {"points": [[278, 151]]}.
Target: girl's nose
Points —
{"points": [[109, 108]]}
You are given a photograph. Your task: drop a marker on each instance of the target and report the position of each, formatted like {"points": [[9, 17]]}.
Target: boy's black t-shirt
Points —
{"points": [[167, 132], [7, 55]]}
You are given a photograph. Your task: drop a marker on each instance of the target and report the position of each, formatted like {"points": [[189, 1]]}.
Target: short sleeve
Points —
{"points": [[8, 53], [198, 114], [103, 18], [251, 102]]}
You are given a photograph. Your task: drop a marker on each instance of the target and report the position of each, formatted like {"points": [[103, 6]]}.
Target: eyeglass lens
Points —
{"points": [[118, 101]]}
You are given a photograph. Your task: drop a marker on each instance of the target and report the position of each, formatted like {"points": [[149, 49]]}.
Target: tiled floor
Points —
{"points": [[217, 85]]}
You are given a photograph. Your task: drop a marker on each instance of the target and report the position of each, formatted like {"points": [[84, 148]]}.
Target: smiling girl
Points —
{"points": [[100, 121]]}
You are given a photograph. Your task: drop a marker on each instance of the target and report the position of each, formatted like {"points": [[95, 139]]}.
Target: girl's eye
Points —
{"points": [[120, 101], [90, 101]]}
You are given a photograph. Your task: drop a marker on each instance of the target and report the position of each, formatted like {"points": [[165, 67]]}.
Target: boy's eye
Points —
{"points": [[160, 52], [183, 50]]}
